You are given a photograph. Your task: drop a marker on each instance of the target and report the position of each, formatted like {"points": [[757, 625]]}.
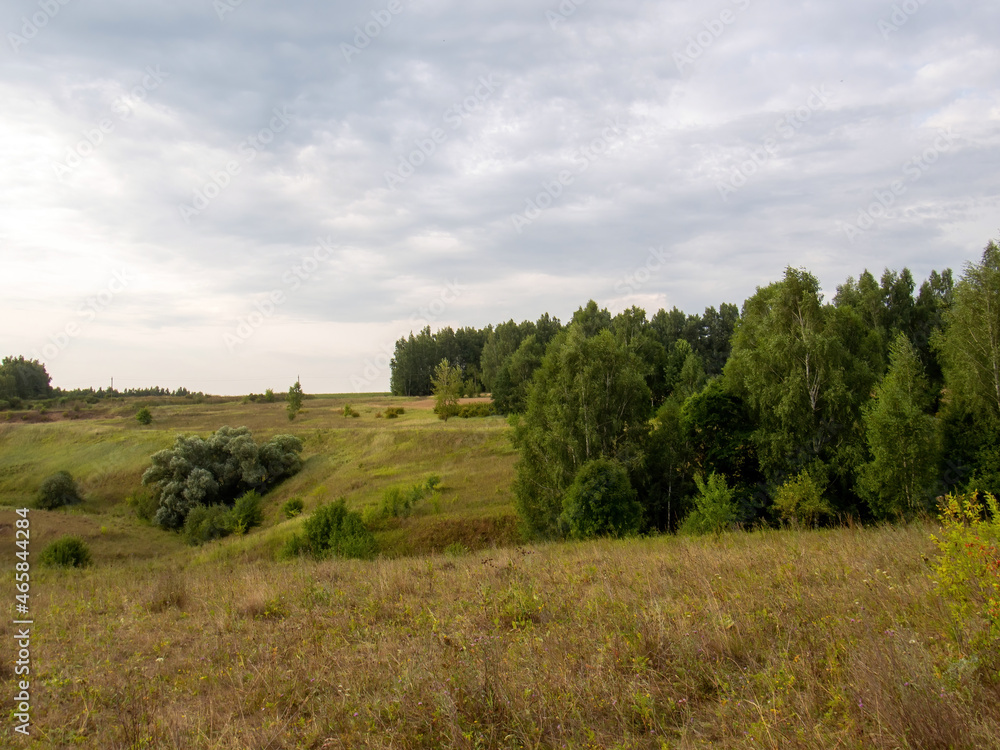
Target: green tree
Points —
{"points": [[601, 502], [217, 470], [24, 378], [447, 384], [969, 345], [795, 363], [715, 509], [902, 438], [588, 399], [800, 499], [513, 379], [144, 416], [294, 400]]}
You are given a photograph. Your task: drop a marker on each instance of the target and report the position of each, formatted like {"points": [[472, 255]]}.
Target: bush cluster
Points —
{"points": [[207, 522], [67, 552], [398, 502], [478, 409], [57, 491], [333, 531]]}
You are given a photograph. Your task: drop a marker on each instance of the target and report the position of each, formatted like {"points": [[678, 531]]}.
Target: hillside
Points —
{"points": [[801, 639]]}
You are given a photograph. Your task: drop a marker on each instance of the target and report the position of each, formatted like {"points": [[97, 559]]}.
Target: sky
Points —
{"points": [[226, 195]]}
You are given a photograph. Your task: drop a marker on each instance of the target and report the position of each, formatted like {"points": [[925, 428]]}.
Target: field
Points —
{"points": [[459, 636]]}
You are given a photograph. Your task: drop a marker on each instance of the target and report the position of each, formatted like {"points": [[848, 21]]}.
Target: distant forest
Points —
{"points": [[791, 408]]}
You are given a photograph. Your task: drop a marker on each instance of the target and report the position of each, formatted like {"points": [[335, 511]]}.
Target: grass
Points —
{"points": [[458, 637]]}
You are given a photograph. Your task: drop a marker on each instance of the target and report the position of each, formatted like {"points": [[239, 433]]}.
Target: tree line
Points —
{"points": [[869, 405]]}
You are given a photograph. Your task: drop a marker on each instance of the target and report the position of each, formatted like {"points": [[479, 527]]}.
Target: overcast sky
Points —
{"points": [[225, 195]]}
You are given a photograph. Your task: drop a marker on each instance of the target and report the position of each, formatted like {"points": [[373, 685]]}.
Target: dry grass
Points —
{"points": [[774, 639]]}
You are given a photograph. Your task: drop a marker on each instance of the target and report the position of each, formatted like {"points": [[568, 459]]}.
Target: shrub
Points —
{"points": [[68, 552], [334, 530], [349, 412], [207, 522], [57, 491], [967, 572], [601, 502], [480, 409], [144, 503], [392, 412], [247, 512], [294, 547], [432, 482], [399, 502], [292, 507], [715, 510], [801, 500], [269, 396], [143, 416]]}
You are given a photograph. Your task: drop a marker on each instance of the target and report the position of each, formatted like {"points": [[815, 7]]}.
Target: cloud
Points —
{"points": [[280, 128]]}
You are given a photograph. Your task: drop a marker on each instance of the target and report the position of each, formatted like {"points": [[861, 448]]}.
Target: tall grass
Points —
{"points": [[780, 639]]}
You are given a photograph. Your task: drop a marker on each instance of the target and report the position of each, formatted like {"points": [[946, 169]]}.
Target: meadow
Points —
{"points": [[459, 635]]}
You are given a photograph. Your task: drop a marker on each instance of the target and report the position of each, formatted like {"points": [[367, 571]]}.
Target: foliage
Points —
{"points": [[292, 507], [601, 502], [800, 499], [799, 366], [217, 470], [715, 510], [967, 571], [23, 378], [969, 345], [392, 412], [67, 552], [247, 512], [902, 438], [294, 400], [205, 523], [399, 502], [480, 409], [144, 502], [447, 385], [144, 416], [57, 491], [349, 412], [332, 530], [269, 396], [588, 399]]}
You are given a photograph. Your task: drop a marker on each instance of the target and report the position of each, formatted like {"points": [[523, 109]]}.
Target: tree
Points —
{"points": [[601, 502], [800, 499], [58, 490], [24, 378], [217, 470], [294, 400], [902, 438], [714, 510], [588, 400], [970, 343], [513, 379], [144, 416], [795, 363], [447, 383]]}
